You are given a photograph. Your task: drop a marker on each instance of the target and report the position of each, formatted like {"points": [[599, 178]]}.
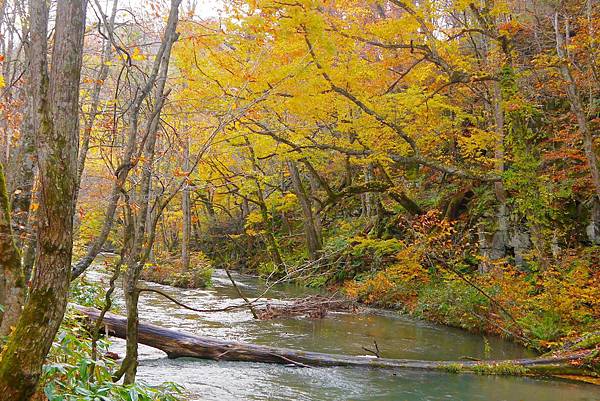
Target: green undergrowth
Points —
{"points": [[72, 374], [452, 303]]}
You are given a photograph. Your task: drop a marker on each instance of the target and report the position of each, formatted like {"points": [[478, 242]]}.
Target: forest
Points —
{"points": [[299, 199]]}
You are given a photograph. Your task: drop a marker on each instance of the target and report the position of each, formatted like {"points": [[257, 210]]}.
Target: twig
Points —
{"points": [[375, 352], [469, 358], [248, 303], [290, 360]]}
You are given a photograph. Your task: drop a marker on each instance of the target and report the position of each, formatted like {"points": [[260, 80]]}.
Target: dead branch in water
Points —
{"points": [[314, 307]]}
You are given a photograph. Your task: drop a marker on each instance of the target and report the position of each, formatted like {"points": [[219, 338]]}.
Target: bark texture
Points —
{"points": [[12, 282], [57, 133], [187, 211], [313, 236]]}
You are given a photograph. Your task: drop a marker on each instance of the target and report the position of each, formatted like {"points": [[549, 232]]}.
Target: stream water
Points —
{"points": [[396, 335]]}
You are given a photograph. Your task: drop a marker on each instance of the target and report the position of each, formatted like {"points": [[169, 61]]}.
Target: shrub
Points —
{"points": [[196, 277], [453, 303], [171, 272], [374, 253], [267, 269], [543, 325], [86, 293]]}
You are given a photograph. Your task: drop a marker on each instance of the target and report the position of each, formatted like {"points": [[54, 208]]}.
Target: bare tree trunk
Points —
{"points": [[186, 207], [12, 282], [313, 241], [95, 97], [7, 50], [500, 238], [22, 177], [136, 257], [577, 108], [57, 133], [372, 207], [21, 166], [17, 182]]}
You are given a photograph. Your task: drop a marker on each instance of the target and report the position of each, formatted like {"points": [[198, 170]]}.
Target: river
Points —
{"points": [[397, 336]]}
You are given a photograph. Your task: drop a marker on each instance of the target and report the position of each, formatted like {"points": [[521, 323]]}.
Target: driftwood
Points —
{"points": [[314, 307], [582, 362]]}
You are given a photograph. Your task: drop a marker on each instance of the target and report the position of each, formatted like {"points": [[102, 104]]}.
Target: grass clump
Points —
{"points": [[453, 368], [502, 369]]}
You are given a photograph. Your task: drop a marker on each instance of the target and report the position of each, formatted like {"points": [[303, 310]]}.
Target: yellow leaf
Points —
{"points": [[137, 55]]}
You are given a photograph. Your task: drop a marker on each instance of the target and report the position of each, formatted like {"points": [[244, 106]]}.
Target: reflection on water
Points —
{"points": [[396, 335]]}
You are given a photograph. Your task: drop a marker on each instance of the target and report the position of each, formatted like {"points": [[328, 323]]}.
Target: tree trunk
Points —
{"points": [[314, 188], [12, 283], [186, 208], [272, 244], [313, 238], [180, 344], [6, 49], [23, 161], [398, 194], [577, 108], [127, 164], [95, 97], [136, 256], [593, 228], [372, 200], [57, 133], [22, 176], [500, 237]]}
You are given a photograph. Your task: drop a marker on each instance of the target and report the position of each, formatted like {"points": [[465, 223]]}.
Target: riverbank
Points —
{"points": [[543, 307], [543, 310]]}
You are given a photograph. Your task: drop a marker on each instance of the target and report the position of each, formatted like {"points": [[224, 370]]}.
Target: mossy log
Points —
{"points": [[178, 344]]}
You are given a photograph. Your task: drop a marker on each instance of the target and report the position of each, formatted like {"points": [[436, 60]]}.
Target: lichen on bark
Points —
{"points": [[11, 281]]}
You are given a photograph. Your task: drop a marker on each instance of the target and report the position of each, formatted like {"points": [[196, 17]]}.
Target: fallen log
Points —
{"points": [[582, 362]]}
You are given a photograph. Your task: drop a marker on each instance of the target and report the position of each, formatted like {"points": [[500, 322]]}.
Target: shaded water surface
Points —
{"points": [[396, 335]]}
